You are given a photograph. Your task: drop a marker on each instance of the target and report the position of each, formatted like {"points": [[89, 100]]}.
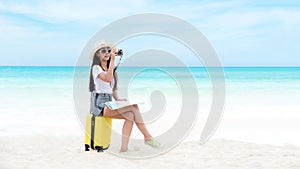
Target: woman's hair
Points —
{"points": [[96, 61]]}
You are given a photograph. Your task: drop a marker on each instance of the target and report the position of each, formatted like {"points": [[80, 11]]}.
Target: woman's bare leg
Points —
{"points": [[123, 114], [140, 123], [126, 132]]}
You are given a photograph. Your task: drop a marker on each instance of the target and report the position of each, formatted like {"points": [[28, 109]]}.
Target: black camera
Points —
{"points": [[120, 52]]}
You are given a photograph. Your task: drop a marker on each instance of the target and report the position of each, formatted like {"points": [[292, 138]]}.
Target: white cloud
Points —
{"points": [[78, 11], [248, 23], [92, 11], [231, 25], [31, 45]]}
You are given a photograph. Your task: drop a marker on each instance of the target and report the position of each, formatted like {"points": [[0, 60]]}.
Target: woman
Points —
{"points": [[103, 82]]}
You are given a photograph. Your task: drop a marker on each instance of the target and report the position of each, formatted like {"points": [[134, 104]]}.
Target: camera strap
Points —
{"points": [[118, 64]]}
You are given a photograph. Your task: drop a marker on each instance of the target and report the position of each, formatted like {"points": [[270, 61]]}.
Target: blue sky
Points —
{"points": [[243, 33]]}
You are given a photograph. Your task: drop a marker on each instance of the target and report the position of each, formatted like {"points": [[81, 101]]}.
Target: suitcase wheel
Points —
{"points": [[99, 149], [87, 147]]}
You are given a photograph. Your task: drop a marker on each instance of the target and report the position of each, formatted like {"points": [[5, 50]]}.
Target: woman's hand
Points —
{"points": [[113, 53]]}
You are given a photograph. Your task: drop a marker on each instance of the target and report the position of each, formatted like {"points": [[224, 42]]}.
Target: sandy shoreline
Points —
{"points": [[45, 152]]}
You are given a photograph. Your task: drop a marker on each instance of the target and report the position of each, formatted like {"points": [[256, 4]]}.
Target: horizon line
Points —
{"points": [[249, 66]]}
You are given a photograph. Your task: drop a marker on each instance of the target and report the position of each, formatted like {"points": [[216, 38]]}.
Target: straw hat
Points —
{"points": [[98, 45]]}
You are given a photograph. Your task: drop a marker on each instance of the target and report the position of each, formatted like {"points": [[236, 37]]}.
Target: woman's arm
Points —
{"points": [[107, 77], [116, 96]]}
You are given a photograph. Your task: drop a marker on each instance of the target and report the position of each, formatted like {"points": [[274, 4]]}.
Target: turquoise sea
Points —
{"points": [[59, 80], [36, 98], [19, 82]]}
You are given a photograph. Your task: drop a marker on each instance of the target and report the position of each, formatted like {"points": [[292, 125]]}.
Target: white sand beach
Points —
{"points": [[259, 129], [44, 152], [248, 140]]}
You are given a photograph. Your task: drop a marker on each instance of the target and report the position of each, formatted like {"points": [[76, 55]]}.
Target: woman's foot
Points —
{"points": [[152, 142], [123, 150]]}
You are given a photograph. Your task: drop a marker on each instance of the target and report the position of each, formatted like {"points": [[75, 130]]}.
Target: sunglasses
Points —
{"points": [[103, 51]]}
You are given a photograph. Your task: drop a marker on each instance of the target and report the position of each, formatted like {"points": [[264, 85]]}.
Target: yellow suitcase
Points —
{"points": [[97, 133]]}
